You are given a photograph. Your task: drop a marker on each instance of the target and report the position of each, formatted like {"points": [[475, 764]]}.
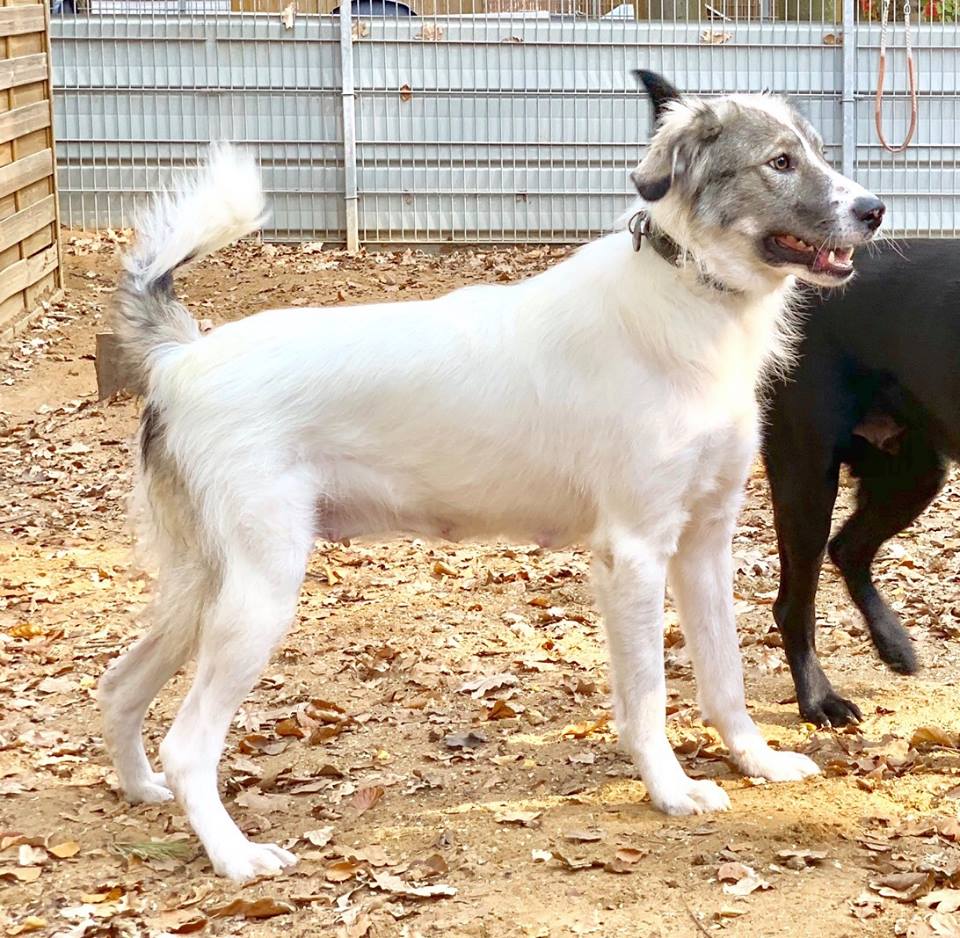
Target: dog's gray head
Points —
{"points": [[746, 174]]}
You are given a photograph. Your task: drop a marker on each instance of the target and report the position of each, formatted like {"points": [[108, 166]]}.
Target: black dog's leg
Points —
{"points": [[893, 491], [803, 498]]}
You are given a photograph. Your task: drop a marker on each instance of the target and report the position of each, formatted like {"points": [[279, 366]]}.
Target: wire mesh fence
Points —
{"points": [[477, 120]]}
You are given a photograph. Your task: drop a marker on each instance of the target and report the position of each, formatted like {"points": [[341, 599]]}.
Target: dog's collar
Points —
{"points": [[640, 227]]}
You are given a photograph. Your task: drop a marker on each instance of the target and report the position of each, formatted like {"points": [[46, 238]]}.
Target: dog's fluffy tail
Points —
{"points": [[206, 209]]}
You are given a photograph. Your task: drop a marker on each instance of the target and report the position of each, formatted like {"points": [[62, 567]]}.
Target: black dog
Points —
{"points": [[877, 388]]}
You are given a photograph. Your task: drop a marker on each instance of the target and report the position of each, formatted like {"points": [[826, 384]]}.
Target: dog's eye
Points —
{"points": [[781, 163]]}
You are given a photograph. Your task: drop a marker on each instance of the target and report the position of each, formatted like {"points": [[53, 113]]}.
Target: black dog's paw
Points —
{"points": [[830, 710], [894, 647]]}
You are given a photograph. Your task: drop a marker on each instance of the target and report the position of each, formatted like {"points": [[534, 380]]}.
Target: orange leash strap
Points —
{"points": [[881, 76]]}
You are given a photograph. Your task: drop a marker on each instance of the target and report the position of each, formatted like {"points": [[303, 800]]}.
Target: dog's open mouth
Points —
{"points": [[831, 261]]}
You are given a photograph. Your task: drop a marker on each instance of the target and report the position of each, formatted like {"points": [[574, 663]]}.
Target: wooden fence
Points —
{"points": [[29, 218]]}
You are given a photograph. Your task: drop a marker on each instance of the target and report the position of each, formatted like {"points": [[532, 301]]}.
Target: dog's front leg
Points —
{"points": [[701, 577], [629, 576]]}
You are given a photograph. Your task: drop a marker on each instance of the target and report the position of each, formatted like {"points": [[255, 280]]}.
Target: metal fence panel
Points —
{"points": [[514, 125], [525, 129], [138, 96], [919, 184]]}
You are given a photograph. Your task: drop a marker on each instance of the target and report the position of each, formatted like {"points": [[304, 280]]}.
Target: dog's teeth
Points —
{"points": [[832, 257]]}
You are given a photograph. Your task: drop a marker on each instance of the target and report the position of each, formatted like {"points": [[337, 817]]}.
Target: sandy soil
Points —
{"points": [[354, 748]]}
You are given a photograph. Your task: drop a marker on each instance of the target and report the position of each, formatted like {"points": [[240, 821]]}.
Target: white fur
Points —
{"points": [[199, 213], [609, 400]]}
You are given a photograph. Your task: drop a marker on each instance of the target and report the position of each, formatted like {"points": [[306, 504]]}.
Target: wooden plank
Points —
{"points": [[23, 120], [25, 172], [113, 368], [26, 273], [45, 288], [23, 70], [30, 93], [37, 241], [20, 226], [24, 45], [15, 21]]}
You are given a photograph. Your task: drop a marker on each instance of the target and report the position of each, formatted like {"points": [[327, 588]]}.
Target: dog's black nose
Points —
{"points": [[869, 209]]}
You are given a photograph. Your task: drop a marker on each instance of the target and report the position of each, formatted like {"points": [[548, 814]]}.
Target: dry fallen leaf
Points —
{"points": [[25, 630], [265, 907], [320, 837], [801, 859], [942, 900], [483, 685], [262, 803], [69, 848], [502, 710], [583, 730], [290, 727], [341, 871], [924, 737], [630, 854], [740, 880], [375, 855], [24, 874], [907, 887], [576, 862], [464, 740], [390, 883], [100, 898], [366, 798], [584, 836], [29, 924], [523, 818]]}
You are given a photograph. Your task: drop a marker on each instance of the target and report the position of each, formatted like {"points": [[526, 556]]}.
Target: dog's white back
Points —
{"points": [[609, 400]]}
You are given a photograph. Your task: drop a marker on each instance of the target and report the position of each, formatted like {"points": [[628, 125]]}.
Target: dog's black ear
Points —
{"points": [[651, 188], [675, 154], [660, 90]]}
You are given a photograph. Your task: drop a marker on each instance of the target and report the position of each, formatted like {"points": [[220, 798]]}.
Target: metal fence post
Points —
{"points": [[349, 128], [848, 98]]}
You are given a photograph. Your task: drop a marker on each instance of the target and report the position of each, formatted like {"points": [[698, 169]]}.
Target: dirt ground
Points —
{"points": [[432, 737]]}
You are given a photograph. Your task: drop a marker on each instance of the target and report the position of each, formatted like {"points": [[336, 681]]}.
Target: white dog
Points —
{"points": [[609, 400]]}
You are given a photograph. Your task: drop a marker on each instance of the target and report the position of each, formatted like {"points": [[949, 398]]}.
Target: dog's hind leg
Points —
{"points": [[262, 568], [130, 683], [894, 490], [629, 575]]}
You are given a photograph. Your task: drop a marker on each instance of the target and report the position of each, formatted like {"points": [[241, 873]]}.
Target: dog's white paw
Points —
{"points": [[694, 797], [150, 790], [777, 766], [251, 860]]}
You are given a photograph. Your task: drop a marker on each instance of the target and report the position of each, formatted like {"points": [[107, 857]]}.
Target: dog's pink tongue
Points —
{"points": [[822, 260]]}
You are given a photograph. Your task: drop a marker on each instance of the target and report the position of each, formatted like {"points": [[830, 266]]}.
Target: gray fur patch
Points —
{"points": [[151, 434]]}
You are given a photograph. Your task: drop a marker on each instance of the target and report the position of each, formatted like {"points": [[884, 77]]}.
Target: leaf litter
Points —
{"points": [[424, 684]]}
